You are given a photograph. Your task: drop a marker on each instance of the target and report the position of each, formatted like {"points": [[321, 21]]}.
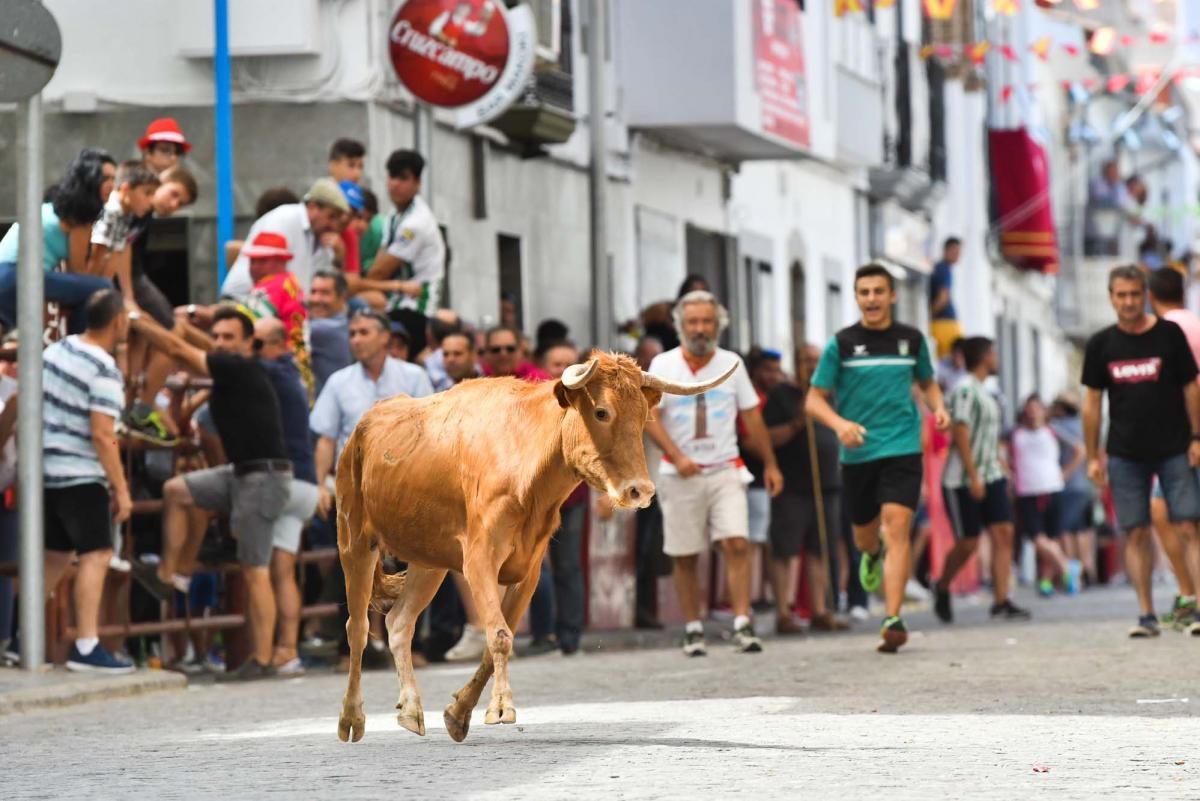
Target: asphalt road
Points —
{"points": [[1065, 705]]}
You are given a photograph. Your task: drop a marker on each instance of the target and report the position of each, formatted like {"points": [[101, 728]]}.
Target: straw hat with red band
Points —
{"points": [[164, 129], [267, 245]]}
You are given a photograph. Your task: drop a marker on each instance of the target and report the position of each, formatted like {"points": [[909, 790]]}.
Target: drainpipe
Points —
{"points": [[598, 183], [224, 132]]}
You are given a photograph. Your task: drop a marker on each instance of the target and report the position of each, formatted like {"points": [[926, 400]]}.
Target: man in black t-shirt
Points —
{"points": [[795, 526], [254, 489], [1146, 367]]}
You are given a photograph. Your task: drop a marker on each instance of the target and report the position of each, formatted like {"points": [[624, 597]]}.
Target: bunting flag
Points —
{"points": [[1158, 37], [1008, 53], [1006, 93], [1007, 8], [978, 51], [1146, 81], [939, 9], [1087, 5], [842, 7], [926, 51], [1041, 48], [1070, 49], [885, 3], [1117, 83]]}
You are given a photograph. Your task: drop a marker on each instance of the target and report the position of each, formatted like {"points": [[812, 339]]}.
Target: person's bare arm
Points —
{"points": [[940, 301], [1191, 397], [323, 462], [8, 420], [937, 404], [120, 265], [79, 244], [174, 346], [760, 442], [662, 439], [1091, 435], [385, 265], [817, 406], [356, 284], [109, 453]]}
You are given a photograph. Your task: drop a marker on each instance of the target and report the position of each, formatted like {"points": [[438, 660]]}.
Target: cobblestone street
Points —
{"points": [[976, 710]]}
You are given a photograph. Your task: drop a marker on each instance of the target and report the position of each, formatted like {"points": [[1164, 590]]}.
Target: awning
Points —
{"points": [[1021, 181]]}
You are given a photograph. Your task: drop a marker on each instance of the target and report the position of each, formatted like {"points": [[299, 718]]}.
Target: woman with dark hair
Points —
{"points": [[693, 282], [75, 203]]}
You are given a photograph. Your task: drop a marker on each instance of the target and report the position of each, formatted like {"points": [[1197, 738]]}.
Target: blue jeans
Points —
{"points": [[69, 290], [1131, 482], [10, 551], [566, 554]]}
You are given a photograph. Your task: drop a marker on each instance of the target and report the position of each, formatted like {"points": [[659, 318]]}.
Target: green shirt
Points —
{"points": [[368, 245], [871, 373], [973, 406]]}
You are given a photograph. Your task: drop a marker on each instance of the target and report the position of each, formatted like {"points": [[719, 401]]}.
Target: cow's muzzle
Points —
{"points": [[634, 494]]}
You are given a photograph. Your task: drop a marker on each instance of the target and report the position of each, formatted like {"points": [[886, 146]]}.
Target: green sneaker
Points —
{"points": [[870, 571], [146, 424], [1182, 614], [1045, 588], [894, 635]]}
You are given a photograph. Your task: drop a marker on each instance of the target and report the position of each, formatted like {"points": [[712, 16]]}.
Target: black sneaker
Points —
{"points": [[147, 575], [745, 641], [1147, 626], [146, 424], [547, 645], [941, 605], [1009, 611], [893, 634], [251, 670], [693, 643]]}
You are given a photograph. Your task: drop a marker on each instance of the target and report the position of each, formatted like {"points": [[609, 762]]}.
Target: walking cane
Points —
{"points": [[818, 496]]}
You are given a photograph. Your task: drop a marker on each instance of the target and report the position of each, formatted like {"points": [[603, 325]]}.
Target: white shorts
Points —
{"points": [[702, 509], [759, 503], [300, 507]]}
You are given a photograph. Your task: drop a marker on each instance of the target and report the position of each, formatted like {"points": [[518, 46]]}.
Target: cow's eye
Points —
{"points": [[602, 415]]}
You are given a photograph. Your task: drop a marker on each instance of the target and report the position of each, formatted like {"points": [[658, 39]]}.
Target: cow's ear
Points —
{"points": [[560, 392], [653, 396]]}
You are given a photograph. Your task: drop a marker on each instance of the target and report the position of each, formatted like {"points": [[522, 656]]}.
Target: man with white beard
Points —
{"points": [[702, 481]]}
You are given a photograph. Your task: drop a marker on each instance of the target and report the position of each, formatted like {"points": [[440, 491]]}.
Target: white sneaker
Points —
{"points": [[470, 646], [859, 613], [118, 564], [913, 591], [293, 668]]}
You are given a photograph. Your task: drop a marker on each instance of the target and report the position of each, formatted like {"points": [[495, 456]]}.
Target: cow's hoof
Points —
{"points": [[508, 715], [500, 714], [414, 722], [351, 728], [457, 728]]}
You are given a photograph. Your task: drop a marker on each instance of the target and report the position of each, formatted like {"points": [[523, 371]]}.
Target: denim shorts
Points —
{"points": [[1131, 483]]}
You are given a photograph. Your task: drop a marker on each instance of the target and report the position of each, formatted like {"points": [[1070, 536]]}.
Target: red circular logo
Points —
{"points": [[449, 52]]}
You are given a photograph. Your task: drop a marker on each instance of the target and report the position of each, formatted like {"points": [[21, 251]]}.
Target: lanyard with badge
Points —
{"points": [[406, 271]]}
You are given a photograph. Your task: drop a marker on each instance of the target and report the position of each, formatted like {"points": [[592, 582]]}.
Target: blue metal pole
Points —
{"points": [[224, 141]]}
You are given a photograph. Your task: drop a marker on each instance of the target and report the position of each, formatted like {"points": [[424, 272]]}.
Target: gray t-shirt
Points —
{"points": [[1070, 431]]}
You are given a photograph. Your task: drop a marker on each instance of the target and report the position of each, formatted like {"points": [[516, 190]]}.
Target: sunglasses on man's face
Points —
{"points": [[498, 349]]}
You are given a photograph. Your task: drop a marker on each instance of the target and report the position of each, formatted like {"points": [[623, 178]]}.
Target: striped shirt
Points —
{"points": [[973, 406], [413, 236], [78, 378]]}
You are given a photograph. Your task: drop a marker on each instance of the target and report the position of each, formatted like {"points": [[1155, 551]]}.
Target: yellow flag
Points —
{"points": [[842, 7], [1007, 8], [1041, 48], [939, 9]]}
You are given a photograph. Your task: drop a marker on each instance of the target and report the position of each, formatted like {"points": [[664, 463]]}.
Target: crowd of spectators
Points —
{"points": [[234, 415]]}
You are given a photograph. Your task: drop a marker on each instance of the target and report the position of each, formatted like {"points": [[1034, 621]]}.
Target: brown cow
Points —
{"points": [[472, 480]]}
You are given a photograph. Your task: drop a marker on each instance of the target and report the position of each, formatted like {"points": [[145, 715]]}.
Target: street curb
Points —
{"points": [[70, 693]]}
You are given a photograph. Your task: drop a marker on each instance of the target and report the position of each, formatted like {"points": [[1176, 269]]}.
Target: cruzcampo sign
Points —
{"points": [[474, 57]]}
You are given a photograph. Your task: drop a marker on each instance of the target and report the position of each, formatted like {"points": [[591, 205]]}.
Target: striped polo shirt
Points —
{"points": [[78, 378]]}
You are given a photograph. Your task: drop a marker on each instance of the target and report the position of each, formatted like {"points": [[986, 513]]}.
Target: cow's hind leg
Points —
{"points": [[458, 714], [358, 563], [420, 585]]}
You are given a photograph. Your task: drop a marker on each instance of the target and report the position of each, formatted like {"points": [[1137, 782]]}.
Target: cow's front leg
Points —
{"points": [[420, 585], [458, 714]]}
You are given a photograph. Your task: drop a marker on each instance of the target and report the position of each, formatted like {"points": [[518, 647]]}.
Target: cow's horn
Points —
{"points": [[676, 388], [577, 375]]}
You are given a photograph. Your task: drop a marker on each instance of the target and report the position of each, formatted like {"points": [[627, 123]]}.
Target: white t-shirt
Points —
{"points": [[1035, 459], [704, 426], [413, 236]]}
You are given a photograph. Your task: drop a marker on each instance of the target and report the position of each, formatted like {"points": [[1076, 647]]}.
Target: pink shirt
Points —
{"points": [[1190, 324]]}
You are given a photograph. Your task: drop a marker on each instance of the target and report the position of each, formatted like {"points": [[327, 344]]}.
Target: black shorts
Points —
{"points": [[869, 485], [794, 526], [969, 517], [78, 518], [1040, 514], [152, 301]]}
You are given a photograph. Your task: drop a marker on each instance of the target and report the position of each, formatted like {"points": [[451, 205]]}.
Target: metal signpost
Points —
{"points": [[30, 47]]}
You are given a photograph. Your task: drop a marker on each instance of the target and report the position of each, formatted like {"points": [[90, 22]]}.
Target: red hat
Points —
{"points": [[267, 246], [164, 129]]}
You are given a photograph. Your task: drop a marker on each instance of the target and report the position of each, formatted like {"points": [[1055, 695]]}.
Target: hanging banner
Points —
{"points": [[474, 56], [843, 7], [779, 70], [1021, 178]]}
